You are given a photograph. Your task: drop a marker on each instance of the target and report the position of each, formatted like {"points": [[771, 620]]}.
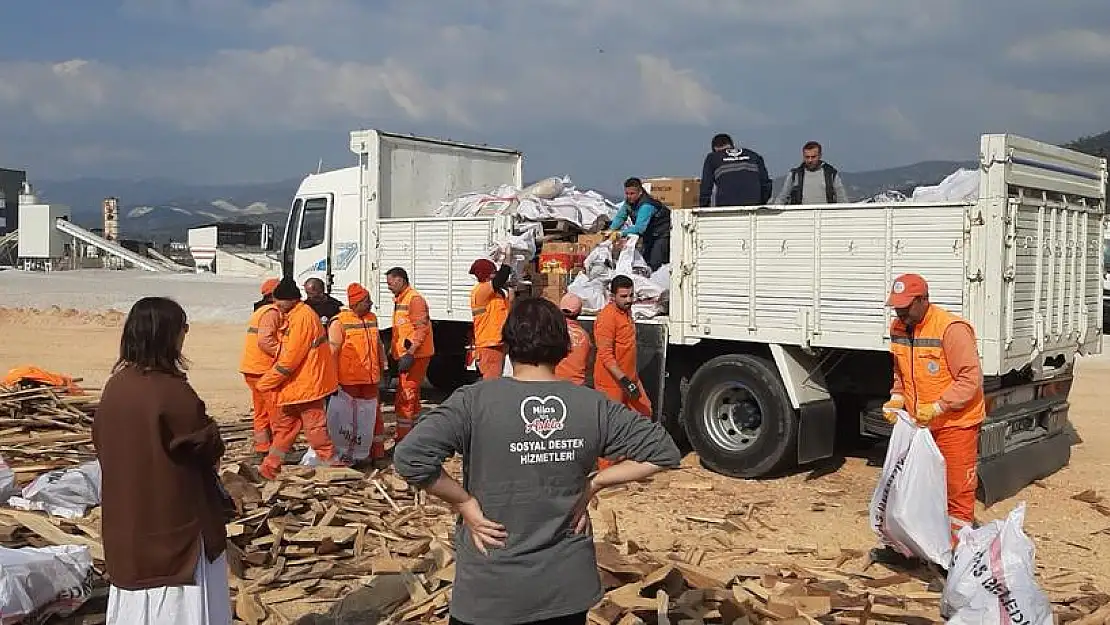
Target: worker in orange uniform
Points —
{"points": [[260, 348], [615, 372], [572, 368], [489, 305], [303, 374], [938, 380], [360, 355], [412, 347]]}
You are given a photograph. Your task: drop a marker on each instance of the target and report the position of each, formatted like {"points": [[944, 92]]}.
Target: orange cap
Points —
{"points": [[269, 285], [356, 293], [905, 289], [571, 304]]}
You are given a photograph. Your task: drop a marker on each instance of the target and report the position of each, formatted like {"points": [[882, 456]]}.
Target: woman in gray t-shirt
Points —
{"points": [[524, 547]]}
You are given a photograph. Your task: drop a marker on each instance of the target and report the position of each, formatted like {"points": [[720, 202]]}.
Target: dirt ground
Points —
{"points": [[824, 508]]}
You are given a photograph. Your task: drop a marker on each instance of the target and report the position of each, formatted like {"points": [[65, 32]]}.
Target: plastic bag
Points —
{"points": [[7, 481], [961, 185], [36, 584], [351, 424], [591, 291], [599, 262], [909, 509], [631, 262], [546, 189], [66, 493], [992, 577]]}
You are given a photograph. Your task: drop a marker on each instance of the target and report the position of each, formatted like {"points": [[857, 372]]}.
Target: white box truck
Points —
{"points": [[777, 334]]}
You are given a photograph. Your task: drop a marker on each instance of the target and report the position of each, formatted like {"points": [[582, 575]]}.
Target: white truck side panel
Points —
{"points": [[1023, 263], [437, 254], [819, 274]]}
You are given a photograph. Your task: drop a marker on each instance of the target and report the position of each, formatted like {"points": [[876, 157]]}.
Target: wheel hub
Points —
{"points": [[732, 417]]}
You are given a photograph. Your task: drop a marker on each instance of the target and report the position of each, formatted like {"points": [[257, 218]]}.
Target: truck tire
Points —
{"points": [[739, 419], [448, 372]]}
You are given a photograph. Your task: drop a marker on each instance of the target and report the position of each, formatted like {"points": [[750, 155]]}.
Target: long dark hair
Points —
{"points": [[536, 333], [150, 335]]}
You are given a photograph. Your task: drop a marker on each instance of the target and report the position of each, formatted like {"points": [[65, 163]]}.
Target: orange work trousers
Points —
{"points": [[406, 406], [263, 410], [491, 362], [960, 448], [641, 405], [370, 391], [288, 423]]}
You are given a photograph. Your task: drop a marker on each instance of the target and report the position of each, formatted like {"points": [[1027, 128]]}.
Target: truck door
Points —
{"points": [[307, 245]]}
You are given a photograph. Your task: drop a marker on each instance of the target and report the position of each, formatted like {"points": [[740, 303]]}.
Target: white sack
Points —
{"points": [[67, 493], [599, 263], [36, 583], [546, 189], [992, 576], [909, 509], [591, 291], [507, 370], [961, 185], [631, 262], [351, 424], [7, 481]]}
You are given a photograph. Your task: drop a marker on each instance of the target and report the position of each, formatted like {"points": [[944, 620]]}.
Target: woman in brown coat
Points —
{"points": [[162, 513]]}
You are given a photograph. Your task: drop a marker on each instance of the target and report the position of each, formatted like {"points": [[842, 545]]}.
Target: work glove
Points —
{"points": [[891, 408], [613, 235], [630, 388], [928, 412], [405, 363]]}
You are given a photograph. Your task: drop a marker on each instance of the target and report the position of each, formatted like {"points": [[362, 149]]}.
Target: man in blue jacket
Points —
{"points": [[651, 221], [738, 175]]}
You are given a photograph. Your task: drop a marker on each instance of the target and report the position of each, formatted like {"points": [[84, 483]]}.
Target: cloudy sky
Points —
{"points": [[242, 90]]}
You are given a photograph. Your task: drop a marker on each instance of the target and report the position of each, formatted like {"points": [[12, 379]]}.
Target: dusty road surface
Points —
{"points": [[820, 510]]}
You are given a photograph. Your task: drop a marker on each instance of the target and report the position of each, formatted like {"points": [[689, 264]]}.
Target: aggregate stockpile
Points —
{"points": [[557, 245]]}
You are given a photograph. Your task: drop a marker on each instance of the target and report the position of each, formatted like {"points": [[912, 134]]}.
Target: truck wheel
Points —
{"points": [[739, 418], [448, 372]]}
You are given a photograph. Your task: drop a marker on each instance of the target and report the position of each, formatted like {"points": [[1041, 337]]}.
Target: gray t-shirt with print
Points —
{"points": [[527, 450]]}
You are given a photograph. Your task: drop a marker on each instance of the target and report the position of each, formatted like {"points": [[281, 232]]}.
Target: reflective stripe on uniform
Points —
{"points": [[252, 330], [320, 340], [280, 455], [360, 326], [905, 340], [282, 370], [478, 311]]}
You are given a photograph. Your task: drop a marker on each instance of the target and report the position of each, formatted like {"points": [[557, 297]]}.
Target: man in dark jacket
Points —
{"points": [[324, 305], [651, 221], [733, 176], [812, 182]]}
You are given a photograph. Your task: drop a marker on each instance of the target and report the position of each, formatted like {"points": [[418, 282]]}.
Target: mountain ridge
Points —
{"points": [[162, 209]]}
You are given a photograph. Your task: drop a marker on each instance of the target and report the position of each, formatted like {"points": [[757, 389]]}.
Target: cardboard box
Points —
{"points": [[551, 286], [676, 193], [590, 241], [566, 256]]}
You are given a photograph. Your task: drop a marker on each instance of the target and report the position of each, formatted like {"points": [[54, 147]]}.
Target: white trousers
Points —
{"points": [[207, 602]]}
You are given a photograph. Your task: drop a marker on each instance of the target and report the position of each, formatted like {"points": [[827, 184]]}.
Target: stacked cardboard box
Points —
{"points": [[674, 192]]}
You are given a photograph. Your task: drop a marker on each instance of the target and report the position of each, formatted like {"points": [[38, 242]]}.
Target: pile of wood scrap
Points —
{"points": [[42, 429]]}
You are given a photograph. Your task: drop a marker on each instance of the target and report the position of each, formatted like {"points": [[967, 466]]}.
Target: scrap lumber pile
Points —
{"points": [[42, 429]]}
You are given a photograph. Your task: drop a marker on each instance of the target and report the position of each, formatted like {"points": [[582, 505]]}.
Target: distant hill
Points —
{"points": [[1096, 145], [161, 209]]}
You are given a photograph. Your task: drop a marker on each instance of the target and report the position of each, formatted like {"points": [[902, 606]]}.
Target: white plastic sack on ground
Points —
{"points": [[909, 509], [7, 481], [960, 186], [351, 426], [37, 583], [992, 577], [65, 493]]}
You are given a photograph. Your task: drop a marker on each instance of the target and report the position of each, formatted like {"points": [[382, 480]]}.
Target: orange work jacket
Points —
{"points": [[359, 357], [923, 368], [615, 335], [573, 367], [418, 330], [490, 309], [254, 360], [304, 370]]}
